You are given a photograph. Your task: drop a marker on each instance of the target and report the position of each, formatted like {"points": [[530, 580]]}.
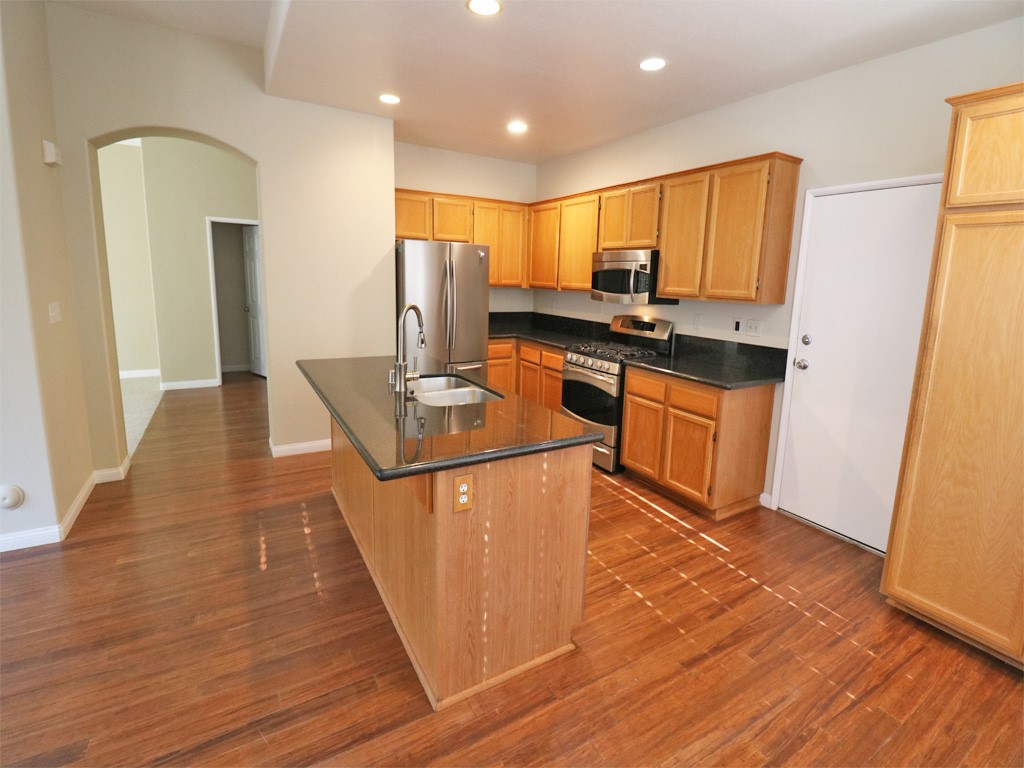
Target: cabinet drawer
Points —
{"points": [[499, 350], [695, 399], [529, 354], [646, 385], [552, 360]]}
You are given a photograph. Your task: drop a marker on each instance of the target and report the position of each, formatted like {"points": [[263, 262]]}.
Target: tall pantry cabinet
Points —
{"points": [[956, 546]]}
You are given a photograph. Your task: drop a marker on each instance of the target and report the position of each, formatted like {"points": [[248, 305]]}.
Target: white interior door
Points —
{"points": [[865, 274], [254, 300]]}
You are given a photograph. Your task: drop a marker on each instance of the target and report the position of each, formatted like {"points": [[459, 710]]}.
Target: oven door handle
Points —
{"points": [[574, 373]]}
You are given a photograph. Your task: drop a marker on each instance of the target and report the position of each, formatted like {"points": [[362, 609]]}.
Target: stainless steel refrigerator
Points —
{"points": [[448, 282]]}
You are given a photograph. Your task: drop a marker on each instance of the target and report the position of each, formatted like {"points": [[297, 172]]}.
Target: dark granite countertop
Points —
{"points": [[717, 363], [427, 438]]}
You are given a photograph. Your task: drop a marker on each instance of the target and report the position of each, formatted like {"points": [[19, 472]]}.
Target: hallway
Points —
{"points": [[212, 609]]}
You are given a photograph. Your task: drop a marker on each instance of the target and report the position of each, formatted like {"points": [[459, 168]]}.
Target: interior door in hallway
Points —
{"points": [[254, 299], [867, 260]]}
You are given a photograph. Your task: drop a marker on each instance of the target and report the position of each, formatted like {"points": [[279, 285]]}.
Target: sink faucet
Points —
{"points": [[399, 377]]}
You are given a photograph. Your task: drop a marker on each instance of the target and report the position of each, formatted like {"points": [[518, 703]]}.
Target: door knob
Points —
{"points": [[246, 309], [802, 364], [806, 339]]}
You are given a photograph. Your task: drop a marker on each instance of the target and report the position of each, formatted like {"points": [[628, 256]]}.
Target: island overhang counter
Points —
{"points": [[472, 520]]}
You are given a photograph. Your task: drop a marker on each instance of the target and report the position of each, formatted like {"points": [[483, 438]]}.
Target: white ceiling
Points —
{"points": [[566, 67]]}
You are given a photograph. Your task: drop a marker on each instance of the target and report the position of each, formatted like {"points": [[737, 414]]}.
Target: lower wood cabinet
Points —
{"points": [[708, 446], [540, 374], [501, 358]]}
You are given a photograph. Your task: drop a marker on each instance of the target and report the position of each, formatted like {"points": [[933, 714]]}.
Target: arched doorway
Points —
{"points": [[173, 208]]}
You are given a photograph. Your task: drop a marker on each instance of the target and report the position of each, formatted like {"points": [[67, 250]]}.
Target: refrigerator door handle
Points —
{"points": [[455, 303], [447, 299]]}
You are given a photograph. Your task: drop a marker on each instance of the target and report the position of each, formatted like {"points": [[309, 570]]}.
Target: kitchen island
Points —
{"points": [[472, 520]]}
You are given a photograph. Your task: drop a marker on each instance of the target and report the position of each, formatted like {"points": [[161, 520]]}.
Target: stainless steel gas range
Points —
{"points": [[593, 378]]}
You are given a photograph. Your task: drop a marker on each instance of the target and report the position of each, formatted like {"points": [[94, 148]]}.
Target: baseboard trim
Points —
{"points": [[234, 368], [139, 373], [34, 537], [52, 534], [294, 449], [766, 500], [197, 384], [113, 474]]}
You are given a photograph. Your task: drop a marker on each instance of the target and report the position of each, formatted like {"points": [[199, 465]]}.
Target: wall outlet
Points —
{"points": [[698, 321], [737, 325], [54, 312], [753, 328], [463, 493]]}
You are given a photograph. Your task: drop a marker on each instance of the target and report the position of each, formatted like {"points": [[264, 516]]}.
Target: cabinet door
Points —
{"points": [[987, 165], [512, 239], [683, 225], [487, 231], [413, 215], [735, 231], [642, 427], [453, 219], [644, 200], [544, 245], [689, 454], [614, 219], [501, 371], [529, 381], [956, 548], [551, 389], [577, 242]]}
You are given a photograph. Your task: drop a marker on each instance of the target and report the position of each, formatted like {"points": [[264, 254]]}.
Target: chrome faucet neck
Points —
{"points": [[400, 377]]}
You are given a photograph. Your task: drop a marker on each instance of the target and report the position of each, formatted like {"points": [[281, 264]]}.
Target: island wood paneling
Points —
{"points": [[228, 619]]}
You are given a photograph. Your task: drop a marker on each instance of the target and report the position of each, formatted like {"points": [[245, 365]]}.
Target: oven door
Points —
{"points": [[595, 400], [622, 282]]}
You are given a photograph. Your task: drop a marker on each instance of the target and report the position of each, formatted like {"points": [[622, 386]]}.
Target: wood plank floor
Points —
{"points": [[212, 609]]}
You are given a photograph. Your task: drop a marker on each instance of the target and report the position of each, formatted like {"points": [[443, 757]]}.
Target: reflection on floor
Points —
{"points": [[139, 398]]}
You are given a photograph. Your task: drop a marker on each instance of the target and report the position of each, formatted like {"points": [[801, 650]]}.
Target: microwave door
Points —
{"points": [[614, 281]]}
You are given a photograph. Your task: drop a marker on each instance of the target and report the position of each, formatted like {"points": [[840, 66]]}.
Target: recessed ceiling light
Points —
{"points": [[517, 126], [389, 98], [484, 7], [652, 65]]}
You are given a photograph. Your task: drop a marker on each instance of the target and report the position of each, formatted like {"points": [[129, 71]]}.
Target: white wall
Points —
{"points": [[45, 442], [456, 173], [128, 260], [883, 119], [326, 181]]}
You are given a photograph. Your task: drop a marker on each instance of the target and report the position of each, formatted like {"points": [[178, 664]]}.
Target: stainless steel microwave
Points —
{"points": [[626, 277]]}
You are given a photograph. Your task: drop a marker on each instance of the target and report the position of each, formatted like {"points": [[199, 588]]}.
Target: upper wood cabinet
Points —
{"points": [[629, 217], [577, 241], [453, 219], [503, 227], [724, 231], [422, 216], [544, 223], [684, 215], [743, 252], [413, 215], [987, 160], [956, 546]]}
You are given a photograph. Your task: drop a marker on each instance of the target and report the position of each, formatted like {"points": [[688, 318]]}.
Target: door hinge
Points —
{"points": [[709, 491], [768, 179], [714, 437], [757, 285]]}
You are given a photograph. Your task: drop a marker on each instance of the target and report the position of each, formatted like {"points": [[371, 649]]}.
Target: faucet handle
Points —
{"points": [[421, 340]]}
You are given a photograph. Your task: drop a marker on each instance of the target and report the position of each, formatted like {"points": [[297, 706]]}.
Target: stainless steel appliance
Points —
{"points": [[593, 378], [626, 277], [448, 282]]}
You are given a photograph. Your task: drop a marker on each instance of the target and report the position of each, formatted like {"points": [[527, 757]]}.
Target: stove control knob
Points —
{"points": [[571, 358], [605, 366]]}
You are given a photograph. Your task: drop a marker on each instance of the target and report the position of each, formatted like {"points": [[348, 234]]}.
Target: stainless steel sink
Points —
{"points": [[449, 390]]}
